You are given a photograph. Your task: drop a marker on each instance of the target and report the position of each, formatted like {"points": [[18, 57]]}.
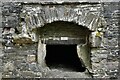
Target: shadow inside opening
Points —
{"points": [[63, 57]]}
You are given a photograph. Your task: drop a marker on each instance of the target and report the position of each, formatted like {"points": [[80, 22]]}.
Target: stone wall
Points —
{"points": [[104, 58], [111, 14], [1, 47], [16, 57]]}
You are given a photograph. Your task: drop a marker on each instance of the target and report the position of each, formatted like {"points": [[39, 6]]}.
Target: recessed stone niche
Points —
{"points": [[64, 43]]}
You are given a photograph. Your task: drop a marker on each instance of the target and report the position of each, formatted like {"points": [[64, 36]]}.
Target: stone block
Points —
{"points": [[28, 74], [0, 32], [34, 67], [1, 63], [9, 49], [9, 24], [96, 66], [9, 66], [96, 39], [97, 51], [93, 51], [95, 59], [23, 66], [113, 57], [1, 46], [1, 68], [103, 61], [98, 57], [102, 56], [7, 36], [112, 65], [31, 58], [38, 74]]}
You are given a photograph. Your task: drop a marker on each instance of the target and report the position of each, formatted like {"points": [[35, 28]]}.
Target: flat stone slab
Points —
{"points": [[55, 73]]}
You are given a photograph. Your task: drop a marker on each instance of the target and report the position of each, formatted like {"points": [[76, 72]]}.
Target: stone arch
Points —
{"points": [[66, 33], [38, 16]]}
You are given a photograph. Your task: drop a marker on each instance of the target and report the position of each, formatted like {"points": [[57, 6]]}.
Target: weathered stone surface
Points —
{"points": [[83, 54], [33, 66], [7, 35], [0, 33], [8, 49], [102, 56], [26, 49], [22, 40], [15, 57], [1, 48], [0, 75], [1, 63], [96, 38], [61, 13], [95, 59], [31, 58], [108, 56], [41, 54], [38, 74], [112, 65], [23, 66], [61, 74], [97, 65], [60, 1], [9, 67], [1, 69], [37, 16]]}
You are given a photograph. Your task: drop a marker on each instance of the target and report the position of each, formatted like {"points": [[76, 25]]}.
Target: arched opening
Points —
{"points": [[61, 40], [63, 29]]}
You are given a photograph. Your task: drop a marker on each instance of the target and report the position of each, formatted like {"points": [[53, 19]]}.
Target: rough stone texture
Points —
{"points": [[105, 59], [1, 47], [82, 15], [84, 54], [31, 58], [36, 16], [112, 10], [60, 1]]}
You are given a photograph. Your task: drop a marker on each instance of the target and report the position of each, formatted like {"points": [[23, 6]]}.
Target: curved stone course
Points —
{"points": [[38, 16]]}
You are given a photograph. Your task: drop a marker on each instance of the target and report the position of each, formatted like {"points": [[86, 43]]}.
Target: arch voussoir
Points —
{"points": [[38, 16]]}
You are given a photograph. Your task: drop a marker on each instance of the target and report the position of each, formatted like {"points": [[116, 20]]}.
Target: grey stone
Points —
{"points": [[95, 59], [38, 74], [9, 66], [97, 66], [31, 58], [112, 65], [1, 63], [100, 56], [109, 43], [0, 32], [60, 1], [9, 24], [9, 49], [34, 67], [1, 68], [45, 14], [27, 74], [23, 67], [7, 36], [9, 44], [112, 57]]}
